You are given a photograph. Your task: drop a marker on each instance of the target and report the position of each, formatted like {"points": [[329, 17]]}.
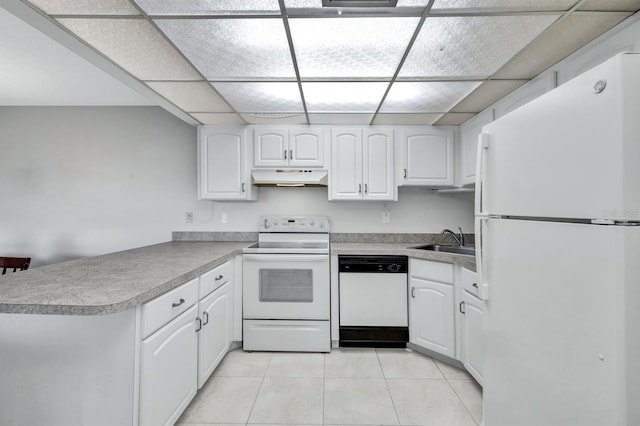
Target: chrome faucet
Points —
{"points": [[458, 237]]}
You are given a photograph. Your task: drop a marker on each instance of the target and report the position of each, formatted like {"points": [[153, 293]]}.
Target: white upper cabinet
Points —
{"points": [[469, 132], [306, 146], [427, 156], [362, 164], [223, 171], [288, 146], [270, 147]]}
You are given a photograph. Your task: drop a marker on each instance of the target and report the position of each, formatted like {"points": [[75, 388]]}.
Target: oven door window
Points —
{"points": [[286, 285]]}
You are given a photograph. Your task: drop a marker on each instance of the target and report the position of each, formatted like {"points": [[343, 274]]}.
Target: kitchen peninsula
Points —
{"points": [[89, 341]]}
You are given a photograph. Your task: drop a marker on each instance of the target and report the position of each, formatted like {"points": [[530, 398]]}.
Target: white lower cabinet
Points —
{"points": [[214, 337], [472, 345], [470, 311], [168, 368], [185, 336], [431, 306]]}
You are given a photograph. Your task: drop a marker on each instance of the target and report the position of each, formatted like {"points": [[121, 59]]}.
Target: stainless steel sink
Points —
{"points": [[469, 251]]}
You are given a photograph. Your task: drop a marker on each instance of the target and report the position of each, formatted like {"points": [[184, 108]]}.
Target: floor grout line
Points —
{"points": [[386, 383], [259, 389]]}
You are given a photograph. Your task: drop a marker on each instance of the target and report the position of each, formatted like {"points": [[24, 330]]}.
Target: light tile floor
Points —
{"points": [[343, 387]]}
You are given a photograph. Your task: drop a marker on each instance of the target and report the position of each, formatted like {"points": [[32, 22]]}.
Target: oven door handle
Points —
{"points": [[286, 257]]}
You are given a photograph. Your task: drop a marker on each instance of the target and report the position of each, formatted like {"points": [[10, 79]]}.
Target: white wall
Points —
{"points": [[82, 181], [417, 211]]}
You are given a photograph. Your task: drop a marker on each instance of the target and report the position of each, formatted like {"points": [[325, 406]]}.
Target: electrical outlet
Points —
{"points": [[224, 218], [189, 217], [386, 217]]}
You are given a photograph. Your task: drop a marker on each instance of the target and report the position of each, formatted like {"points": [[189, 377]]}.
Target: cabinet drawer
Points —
{"points": [[435, 271], [469, 281], [163, 309], [215, 278]]}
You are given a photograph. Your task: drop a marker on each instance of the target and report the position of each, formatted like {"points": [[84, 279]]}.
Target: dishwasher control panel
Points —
{"points": [[381, 264]]}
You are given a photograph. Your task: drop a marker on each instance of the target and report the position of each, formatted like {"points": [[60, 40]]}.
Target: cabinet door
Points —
{"points": [[168, 370], [472, 351], [306, 147], [271, 147], [215, 336], [469, 133], [431, 316], [222, 174], [428, 156], [377, 165], [345, 179]]}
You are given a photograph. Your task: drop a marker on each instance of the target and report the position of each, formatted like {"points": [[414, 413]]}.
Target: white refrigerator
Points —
{"points": [[558, 254]]}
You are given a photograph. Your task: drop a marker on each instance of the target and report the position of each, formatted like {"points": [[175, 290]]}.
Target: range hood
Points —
{"points": [[289, 177]]}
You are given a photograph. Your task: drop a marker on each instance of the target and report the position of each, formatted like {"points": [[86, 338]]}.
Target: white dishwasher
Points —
{"points": [[373, 301]]}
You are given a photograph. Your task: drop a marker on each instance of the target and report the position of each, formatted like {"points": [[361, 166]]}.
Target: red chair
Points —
{"points": [[15, 263]]}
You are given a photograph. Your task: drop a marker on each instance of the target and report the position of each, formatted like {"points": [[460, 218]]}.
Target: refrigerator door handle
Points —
{"points": [[480, 224], [483, 145]]}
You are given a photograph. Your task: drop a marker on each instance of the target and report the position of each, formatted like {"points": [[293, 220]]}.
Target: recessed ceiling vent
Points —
{"points": [[359, 3]]}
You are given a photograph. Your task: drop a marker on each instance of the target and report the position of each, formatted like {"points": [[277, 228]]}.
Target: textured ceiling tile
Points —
{"points": [[454, 118], [558, 42], [262, 97], [217, 118], [345, 118], [617, 5], [134, 45], [86, 7], [267, 118], [407, 119], [350, 47], [191, 96], [230, 49], [503, 5], [343, 97], [209, 7], [431, 97], [489, 42], [487, 94]]}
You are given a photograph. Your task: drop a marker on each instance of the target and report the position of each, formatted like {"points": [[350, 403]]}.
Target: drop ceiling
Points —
{"points": [[295, 62]]}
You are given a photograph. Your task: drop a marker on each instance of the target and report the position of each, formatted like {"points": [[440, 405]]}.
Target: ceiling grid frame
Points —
{"points": [[423, 12], [153, 24]]}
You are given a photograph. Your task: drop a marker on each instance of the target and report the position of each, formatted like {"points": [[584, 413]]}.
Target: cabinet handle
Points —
{"points": [[219, 277], [206, 318], [413, 292], [285, 154], [199, 322], [359, 188], [475, 285], [175, 305], [291, 154], [405, 173], [366, 188], [462, 304], [242, 186]]}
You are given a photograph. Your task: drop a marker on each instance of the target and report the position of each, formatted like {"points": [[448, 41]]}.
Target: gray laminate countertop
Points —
{"points": [[402, 249], [112, 282]]}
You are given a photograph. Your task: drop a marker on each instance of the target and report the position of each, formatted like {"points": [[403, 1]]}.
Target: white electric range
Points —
{"points": [[286, 304]]}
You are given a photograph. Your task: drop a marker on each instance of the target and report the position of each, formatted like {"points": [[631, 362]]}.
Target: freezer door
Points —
{"points": [[571, 153], [561, 325]]}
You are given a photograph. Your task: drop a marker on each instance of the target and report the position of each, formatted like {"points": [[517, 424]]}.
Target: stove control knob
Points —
{"points": [[393, 267]]}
